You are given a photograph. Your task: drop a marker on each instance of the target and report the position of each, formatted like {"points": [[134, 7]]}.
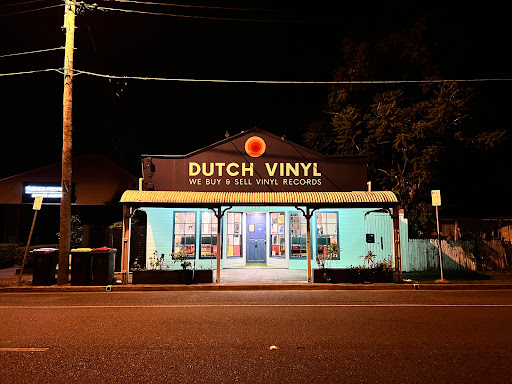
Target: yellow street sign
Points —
{"points": [[37, 203], [436, 198]]}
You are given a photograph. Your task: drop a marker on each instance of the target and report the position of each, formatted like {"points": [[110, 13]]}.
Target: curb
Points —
{"points": [[254, 287]]}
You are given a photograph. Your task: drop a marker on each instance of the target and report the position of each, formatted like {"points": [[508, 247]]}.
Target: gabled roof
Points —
{"points": [[299, 148]]}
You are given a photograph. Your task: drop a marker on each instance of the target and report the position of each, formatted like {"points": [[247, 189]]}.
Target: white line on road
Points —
{"points": [[23, 349], [255, 306]]}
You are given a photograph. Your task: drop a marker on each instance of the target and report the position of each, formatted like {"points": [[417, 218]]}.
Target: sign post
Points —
{"points": [[36, 207], [436, 202]]}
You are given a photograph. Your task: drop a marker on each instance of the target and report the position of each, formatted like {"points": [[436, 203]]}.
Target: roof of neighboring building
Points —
{"points": [[98, 181]]}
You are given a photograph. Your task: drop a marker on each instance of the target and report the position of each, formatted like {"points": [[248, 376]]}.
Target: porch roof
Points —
{"points": [[316, 199]]}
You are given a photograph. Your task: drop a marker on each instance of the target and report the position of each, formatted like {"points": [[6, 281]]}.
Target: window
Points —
{"points": [[185, 233], [277, 234], [234, 234], [298, 233], [208, 235], [327, 232]]}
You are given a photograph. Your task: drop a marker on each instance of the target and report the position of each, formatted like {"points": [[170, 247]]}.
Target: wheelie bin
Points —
{"points": [[81, 261], [44, 261], [103, 263]]}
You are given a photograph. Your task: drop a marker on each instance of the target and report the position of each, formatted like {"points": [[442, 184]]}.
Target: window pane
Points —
{"points": [[190, 229], [179, 217], [206, 217], [332, 229], [332, 217]]}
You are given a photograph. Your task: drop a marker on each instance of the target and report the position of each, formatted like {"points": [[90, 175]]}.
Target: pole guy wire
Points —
{"points": [[30, 52]]}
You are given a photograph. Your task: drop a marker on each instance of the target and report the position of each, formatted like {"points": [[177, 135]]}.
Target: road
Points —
{"points": [[257, 337]]}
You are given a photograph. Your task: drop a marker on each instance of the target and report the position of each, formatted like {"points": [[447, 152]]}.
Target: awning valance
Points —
{"points": [[190, 198]]}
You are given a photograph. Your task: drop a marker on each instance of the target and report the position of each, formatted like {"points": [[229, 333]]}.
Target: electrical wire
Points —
{"points": [[25, 2], [30, 52], [286, 82], [187, 5], [59, 70], [31, 10], [194, 17], [371, 82]]}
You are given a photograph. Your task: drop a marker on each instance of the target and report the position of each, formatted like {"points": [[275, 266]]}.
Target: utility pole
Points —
{"points": [[67, 130]]}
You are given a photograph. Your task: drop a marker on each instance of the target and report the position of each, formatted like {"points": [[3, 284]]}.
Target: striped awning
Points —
{"points": [[170, 198]]}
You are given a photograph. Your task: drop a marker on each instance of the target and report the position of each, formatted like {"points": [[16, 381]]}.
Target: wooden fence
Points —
{"points": [[457, 255]]}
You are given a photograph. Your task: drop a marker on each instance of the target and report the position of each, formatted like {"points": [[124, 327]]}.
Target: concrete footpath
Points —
{"points": [[247, 279]]}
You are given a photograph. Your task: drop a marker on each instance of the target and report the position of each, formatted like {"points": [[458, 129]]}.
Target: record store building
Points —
{"points": [[255, 199]]}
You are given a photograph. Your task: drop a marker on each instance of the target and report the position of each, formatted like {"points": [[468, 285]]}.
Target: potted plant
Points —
{"points": [[371, 271], [326, 274], [156, 274], [376, 271]]}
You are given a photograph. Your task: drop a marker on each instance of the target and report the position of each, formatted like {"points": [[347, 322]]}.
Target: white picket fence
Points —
{"points": [[424, 254]]}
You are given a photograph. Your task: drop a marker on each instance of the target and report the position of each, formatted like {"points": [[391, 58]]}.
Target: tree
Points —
{"points": [[405, 130]]}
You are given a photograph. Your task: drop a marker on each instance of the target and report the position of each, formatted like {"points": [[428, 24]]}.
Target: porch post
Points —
{"points": [[125, 251], [397, 248], [219, 244], [308, 214], [308, 242], [218, 214]]}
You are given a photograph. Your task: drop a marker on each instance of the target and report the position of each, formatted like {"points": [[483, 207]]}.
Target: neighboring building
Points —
{"points": [[266, 195], [98, 184]]}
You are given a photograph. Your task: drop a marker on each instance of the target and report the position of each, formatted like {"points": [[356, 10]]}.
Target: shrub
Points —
{"points": [[7, 252]]}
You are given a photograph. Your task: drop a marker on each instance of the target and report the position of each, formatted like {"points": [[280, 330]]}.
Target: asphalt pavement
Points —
{"points": [[257, 337]]}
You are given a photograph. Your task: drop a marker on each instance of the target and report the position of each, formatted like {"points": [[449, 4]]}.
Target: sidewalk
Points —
{"points": [[279, 279]]}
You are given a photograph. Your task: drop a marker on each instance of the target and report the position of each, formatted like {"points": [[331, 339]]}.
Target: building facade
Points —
{"points": [[255, 199]]}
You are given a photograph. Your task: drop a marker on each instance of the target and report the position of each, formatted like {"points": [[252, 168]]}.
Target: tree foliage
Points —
{"points": [[405, 130]]}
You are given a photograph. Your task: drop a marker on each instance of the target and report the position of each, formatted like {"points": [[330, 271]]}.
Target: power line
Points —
{"points": [[32, 10], [347, 82], [193, 17], [188, 5], [27, 53], [59, 70], [25, 2]]}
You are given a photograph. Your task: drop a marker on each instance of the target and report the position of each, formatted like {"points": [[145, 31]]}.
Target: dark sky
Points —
{"points": [[127, 118]]}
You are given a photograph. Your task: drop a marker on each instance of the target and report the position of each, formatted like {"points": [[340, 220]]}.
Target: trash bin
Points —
{"points": [[103, 263], [44, 261], [81, 266]]}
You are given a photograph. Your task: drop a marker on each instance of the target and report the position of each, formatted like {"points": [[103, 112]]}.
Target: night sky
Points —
{"points": [[124, 119]]}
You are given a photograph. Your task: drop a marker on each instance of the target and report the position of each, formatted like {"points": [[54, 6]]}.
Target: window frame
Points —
{"points": [[212, 221], [328, 235], [305, 235], [240, 234], [193, 256]]}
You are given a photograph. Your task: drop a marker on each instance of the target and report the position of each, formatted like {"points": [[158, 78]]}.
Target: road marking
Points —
{"points": [[23, 349], [255, 306]]}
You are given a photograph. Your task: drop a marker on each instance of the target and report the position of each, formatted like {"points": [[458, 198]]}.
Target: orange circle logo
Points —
{"points": [[255, 146]]}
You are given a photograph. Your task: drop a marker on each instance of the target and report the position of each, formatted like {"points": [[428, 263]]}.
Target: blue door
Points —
{"points": [[256, 238]]}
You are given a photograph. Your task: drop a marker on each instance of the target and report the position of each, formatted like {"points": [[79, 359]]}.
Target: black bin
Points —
{"points": [[44, 261], [103, 264], [81, 266]]}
